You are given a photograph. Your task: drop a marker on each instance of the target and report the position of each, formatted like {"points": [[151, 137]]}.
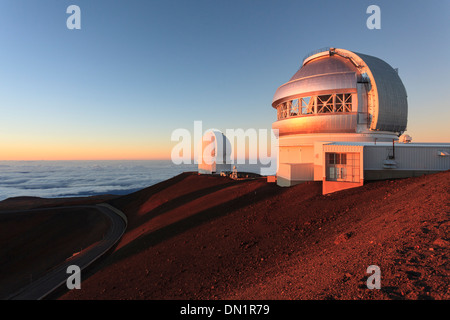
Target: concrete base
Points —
{"points": [[283, 182]]}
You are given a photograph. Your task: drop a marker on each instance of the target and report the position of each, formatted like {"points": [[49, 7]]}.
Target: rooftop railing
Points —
{"points": [[315, 52]]}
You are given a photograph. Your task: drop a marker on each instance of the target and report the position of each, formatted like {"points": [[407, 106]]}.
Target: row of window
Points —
{"points": [[328, 103], [336, 158], [342, 166]]}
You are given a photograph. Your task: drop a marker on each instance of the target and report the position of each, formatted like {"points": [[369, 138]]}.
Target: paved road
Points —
{"points": [[45, 285]]}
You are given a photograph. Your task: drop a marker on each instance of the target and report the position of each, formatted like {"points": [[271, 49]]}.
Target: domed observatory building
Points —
{"points": [[333, 109], [214, 153]]}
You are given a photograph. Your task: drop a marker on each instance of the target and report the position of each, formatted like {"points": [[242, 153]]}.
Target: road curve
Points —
{"points": [[56, 278]]}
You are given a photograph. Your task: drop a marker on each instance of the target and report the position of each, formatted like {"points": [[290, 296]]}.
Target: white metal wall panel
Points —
{"points": [[408, 157]]}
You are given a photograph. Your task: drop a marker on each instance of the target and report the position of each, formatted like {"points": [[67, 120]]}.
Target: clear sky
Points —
{"points": [[137, 70]]}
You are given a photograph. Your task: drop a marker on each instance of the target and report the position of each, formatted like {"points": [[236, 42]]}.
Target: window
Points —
{"points": [[307, 105], [327, 103], [294, 108], [342, 166], [344, 102], [336, 158], [282, 111]]}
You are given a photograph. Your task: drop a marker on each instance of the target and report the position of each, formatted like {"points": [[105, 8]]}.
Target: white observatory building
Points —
{"points": [[339, 119], [214, 153]]}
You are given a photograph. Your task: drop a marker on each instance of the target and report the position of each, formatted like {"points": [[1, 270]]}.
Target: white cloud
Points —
{"points": [[49, 179]]}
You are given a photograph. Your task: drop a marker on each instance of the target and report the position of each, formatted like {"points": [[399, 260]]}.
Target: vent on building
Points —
{"points": [[389, 164]]}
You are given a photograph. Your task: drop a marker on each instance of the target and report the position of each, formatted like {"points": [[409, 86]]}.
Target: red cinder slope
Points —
{"points": [[205, 237]]}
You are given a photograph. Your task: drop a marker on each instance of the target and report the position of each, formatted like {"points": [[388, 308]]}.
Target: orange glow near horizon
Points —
{"points": [[35, 152], [125, 148]]}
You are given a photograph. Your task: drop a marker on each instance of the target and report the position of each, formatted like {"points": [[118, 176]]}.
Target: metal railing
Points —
{"points": [[315, 52]]}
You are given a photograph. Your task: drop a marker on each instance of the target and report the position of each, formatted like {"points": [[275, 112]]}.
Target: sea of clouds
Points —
{"points": [[51, 179]]}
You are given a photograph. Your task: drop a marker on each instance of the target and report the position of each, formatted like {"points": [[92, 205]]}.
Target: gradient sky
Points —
{"points": [[137, 70]]}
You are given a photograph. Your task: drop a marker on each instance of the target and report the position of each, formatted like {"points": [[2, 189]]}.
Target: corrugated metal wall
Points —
{"points": [[407, 157]]}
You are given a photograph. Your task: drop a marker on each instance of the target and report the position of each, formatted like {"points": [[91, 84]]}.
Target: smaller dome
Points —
{"points": [[405, 138]]}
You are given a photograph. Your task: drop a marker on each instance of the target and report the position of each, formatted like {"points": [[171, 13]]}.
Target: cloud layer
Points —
{"points": [[50, 179]]}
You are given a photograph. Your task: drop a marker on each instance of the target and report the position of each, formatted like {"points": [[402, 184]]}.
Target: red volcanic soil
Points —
{"points": [[209, 237], [33, 242]]}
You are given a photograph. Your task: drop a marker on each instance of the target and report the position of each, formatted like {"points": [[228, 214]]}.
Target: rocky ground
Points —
{"points": [[207, 237]]}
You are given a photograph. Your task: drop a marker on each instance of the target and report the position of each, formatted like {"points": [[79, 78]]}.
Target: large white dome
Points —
{"points": [[339, 91]]}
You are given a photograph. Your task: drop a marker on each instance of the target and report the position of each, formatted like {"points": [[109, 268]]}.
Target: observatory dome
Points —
{"points": [[340, 91]]}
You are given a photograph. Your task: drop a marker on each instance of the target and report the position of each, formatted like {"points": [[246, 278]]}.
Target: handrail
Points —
{"points": [[311, 53]]}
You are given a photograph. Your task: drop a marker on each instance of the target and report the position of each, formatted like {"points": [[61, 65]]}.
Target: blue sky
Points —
{"points": [[137, 70]]}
